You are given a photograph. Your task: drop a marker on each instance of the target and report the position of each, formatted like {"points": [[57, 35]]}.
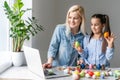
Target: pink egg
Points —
{"points": [[76, 77], [94, 77], [86, 71], [90, 66]]}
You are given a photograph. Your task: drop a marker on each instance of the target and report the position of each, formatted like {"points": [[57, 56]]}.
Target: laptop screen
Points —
{"points": [[33, 60]]}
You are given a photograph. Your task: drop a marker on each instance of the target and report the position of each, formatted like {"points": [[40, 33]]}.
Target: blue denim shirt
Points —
{"points": [[61, 47], [93, 52]]}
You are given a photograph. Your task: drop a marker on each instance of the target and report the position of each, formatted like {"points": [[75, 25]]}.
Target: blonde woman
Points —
{"points": [[61, 51]]}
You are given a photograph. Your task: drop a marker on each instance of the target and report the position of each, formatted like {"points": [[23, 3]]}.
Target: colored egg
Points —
{"points": [[78, 69], [86, 66], [91, 73], [110, 73], [66, 71], [87, 75], [94, 66], [98, 66], [106, 73], [77, 44], [97, 74], [102, 76], [76, 72], [90, 66], [103, 73], [82, 73], [76, 76], [82, 66], [86, 71], [94, 77], [103, 67], [106, 34]]}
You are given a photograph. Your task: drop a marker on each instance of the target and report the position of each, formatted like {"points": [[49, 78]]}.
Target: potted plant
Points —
{"points": [[20, 29]]}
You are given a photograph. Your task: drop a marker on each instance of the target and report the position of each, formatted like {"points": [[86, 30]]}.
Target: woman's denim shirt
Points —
{"points": [[93, 52], [61, 47]]}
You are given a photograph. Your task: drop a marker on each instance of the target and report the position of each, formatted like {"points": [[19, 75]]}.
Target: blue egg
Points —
{"points": [[82, 66], [98, 66], [102, 76]]}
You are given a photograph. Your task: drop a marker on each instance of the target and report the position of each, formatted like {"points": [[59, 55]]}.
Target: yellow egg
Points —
{"points": [[97, 74], [76, 72]]}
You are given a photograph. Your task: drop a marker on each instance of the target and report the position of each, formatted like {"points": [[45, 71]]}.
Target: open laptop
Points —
{"points": [[35, 65]]}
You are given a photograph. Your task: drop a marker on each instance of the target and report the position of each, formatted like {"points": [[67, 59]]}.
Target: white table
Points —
{"points": [[22, 73]]}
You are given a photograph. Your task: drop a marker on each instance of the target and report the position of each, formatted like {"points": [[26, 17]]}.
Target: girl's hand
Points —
{"points": [[110, 40]]}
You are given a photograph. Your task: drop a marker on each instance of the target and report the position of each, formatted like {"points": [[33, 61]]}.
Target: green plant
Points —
{"points": [[20, 29]]}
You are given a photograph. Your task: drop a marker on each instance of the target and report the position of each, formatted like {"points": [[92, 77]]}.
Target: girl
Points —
{"points": [[98, 50]]}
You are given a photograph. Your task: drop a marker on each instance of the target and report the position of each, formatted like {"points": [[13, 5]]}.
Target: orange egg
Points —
{"points": [[106, 34]]}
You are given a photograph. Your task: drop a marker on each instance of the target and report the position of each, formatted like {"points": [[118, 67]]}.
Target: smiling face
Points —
{"points": [[96, 26], [74, 20]]}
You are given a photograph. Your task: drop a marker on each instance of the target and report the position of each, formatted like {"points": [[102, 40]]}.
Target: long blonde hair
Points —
{"points": [[80, 10]]}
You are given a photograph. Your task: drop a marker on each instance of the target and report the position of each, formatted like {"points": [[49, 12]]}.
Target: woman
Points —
{"points": [[61, 51]]}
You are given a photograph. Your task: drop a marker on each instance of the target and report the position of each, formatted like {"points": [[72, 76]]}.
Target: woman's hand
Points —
{"points": [[47, 65], [78, 48], [110, 40]]}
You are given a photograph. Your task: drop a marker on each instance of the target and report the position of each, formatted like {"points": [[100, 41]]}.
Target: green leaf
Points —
{"points": [[20, 29]]}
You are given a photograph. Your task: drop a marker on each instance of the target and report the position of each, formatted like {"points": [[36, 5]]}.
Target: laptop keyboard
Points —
{"points": [[48, 72]]}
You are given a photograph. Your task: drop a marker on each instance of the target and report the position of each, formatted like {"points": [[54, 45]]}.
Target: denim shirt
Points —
{"points": [[61, 47], [93, 52]]}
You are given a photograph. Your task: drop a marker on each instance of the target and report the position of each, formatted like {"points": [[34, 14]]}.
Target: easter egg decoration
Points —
{"points": [[103, 73], [103, 67], [110, 73], [78, 69], [76, 75], [94, 76], [86, 66], [82, 66], [97, 73], [90, 66], [87, 75], [117, 73], [77, 44], [94, 66], [106, 34], [102, 76], [91, 73], [66, 71], [98, 66], [82, 73]]}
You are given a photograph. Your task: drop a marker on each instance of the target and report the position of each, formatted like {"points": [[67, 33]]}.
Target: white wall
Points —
{"points": [[4, 29], [52, 12], [44, 11], [27, 4]]}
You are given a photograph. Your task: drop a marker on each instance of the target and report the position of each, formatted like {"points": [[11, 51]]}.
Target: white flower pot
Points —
{"points": [[18, 58]]}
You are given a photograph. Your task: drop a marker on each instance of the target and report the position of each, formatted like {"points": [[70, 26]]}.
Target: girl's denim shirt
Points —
{"points": [[93, 52], [61, 47]]}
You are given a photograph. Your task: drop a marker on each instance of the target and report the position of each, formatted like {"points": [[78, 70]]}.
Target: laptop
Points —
{"points": [[34, 64]]}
